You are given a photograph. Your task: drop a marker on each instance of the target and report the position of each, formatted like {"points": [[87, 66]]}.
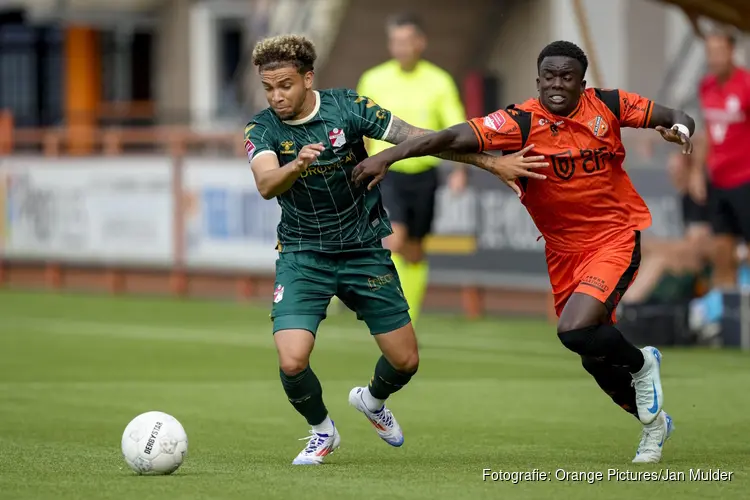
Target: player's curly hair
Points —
{"points": [[564, 49], [285, 50]]}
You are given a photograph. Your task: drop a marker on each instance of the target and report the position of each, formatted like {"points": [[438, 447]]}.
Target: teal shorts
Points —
{"points": [[365, 280]]}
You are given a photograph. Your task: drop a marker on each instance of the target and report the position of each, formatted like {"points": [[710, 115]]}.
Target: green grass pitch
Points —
{"points": [[500, 394]]}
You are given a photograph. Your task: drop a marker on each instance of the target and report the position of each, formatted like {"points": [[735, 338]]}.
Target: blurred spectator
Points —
{"points": [[674, 270], [426, 96], [721, 153]]}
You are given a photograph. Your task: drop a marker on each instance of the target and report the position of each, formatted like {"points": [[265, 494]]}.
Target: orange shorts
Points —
{"points": [[605, 273]]}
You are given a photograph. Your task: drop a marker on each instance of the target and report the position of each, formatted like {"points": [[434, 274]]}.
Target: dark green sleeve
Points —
{"points": [[369, 119], [258, 140]]}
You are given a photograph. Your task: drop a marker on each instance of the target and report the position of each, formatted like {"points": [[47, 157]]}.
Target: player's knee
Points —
{"points": [[407, 362], [566, 324], [292, 366], [588, 341], [591, 364], [591, 341]]}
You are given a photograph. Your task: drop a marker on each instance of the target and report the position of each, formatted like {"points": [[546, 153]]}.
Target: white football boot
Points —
{"points": [[653, 437], [649, 396], [383, 420], [319, 446]]}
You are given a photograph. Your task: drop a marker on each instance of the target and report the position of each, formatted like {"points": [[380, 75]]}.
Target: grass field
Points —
{"points": [[497, 394]]}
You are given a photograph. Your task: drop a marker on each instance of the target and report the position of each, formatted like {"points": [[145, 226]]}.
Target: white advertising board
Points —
{"points": [[93, 210], [228, 225]]}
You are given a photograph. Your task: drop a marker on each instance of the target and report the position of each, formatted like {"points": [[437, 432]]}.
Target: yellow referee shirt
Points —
{"points": [[426, 97]]}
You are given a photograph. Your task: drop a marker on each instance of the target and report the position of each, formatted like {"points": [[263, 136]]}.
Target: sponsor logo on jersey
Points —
{"points": [[287, 148], [337, 137], [598, 126], [250, 148], [494, 121]]}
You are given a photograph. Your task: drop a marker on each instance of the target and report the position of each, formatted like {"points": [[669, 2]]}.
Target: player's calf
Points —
{"points": [[604, 342], [370, 400], [305, 393], [616, 382]]}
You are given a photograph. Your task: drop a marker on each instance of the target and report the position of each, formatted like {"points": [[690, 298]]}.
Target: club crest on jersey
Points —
{"points": [[494, 121], [337, 137], [287, 148], [598, 126], [278, 294], [250, 148]]}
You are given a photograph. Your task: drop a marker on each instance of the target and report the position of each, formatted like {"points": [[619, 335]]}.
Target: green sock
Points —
{"points": [[418, 275], [306, 395], [387, 380]]}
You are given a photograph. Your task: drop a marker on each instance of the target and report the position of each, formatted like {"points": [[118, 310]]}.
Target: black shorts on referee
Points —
{"points": [[410, 200]]}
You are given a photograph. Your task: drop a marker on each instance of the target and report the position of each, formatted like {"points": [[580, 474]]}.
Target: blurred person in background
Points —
{"points": [[721, 158], [426, 96], [673, 270]]}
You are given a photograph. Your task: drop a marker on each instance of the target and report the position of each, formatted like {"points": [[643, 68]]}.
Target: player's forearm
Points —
{"points": [[401, 132], [431, 144], [272, 183], [665, 117]]}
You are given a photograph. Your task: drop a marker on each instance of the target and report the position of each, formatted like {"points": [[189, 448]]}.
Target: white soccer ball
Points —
{"points": [[154, 443]]}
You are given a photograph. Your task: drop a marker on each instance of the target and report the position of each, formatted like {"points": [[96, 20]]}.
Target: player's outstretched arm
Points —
{"points": [[401, 131], [455, 143], [674, 126], [273, 180]]}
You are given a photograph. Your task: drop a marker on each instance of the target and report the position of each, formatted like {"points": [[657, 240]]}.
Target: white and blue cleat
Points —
{"points": [[649, 396], [653, 437], [319, 446], [383, 420]]}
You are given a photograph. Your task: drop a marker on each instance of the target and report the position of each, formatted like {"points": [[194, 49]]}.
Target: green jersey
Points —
{"points": [[324, 210]]}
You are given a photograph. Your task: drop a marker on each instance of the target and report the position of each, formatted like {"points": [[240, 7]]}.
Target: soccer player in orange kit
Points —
{"points": [[587, 210]]}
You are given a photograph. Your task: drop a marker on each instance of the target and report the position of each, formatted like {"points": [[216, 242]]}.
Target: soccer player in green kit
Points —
{"points": [[302, 150]]}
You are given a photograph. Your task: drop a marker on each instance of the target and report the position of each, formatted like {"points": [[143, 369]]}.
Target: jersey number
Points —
{"points": [[591, 160]]}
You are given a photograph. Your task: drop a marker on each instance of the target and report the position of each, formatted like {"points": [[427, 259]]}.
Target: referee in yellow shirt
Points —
{"points": [[426, 96]]}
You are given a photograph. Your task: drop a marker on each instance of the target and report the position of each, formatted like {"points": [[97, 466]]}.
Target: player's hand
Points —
{"points": [[457, 180], [677, 137], [307, 156], [373, 167], [511, 167]]}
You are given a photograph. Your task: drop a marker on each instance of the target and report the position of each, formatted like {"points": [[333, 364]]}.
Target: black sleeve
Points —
{"points": [[523, 120], [611, 98]]}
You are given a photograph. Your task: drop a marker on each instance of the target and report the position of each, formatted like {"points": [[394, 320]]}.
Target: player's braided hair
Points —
{"points": [[284, 50], [563, 49]]}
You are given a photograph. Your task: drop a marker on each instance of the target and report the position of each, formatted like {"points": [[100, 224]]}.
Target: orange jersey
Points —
{"points": [[587, 198]]}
